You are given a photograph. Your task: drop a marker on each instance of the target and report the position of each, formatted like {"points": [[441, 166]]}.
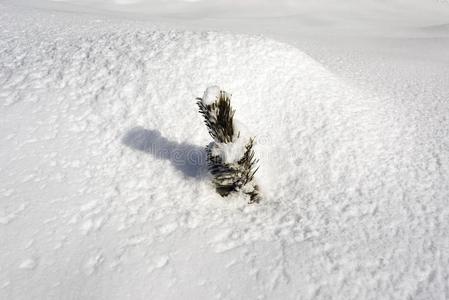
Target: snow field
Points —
{"points": [[105, 195]]}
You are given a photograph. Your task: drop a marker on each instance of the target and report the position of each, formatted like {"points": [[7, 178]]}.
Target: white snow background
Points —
{"points": [[103, 187]]}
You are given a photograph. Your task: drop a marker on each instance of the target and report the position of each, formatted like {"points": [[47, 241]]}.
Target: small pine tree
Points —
{"points": [[236, 174]]}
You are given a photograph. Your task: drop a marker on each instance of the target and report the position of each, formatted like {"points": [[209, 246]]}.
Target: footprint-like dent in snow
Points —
{"points": [[29, 264], [159, 262], [7, 218], [92, 264]]}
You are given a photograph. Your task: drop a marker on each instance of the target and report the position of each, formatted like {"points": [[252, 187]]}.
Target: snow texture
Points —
{"points": [[103, 188], [230, 152], [211, 94]]}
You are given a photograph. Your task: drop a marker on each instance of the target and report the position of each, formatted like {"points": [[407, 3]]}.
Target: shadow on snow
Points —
{"points": [[187, 158]]}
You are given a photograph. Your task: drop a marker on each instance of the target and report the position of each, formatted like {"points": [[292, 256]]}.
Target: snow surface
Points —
{"points": [[211, 94], [230, 152], [103, 188]]}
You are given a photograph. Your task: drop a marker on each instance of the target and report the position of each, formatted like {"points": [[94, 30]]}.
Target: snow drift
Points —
{"points": [[102, 170]]}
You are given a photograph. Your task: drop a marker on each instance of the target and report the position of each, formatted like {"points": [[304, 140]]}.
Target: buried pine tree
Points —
{"points": [[231, 159]]}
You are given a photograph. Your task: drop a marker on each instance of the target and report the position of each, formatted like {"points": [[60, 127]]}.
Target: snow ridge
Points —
{"points": [[102, 172]]}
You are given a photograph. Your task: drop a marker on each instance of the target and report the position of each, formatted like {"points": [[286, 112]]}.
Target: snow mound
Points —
{"points": [[211, 94], [102, 146]]}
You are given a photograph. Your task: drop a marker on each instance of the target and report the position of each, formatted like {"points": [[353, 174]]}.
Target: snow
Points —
{"points": [[211, 94], [230, 152], [104, 192], [29, 263]]}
